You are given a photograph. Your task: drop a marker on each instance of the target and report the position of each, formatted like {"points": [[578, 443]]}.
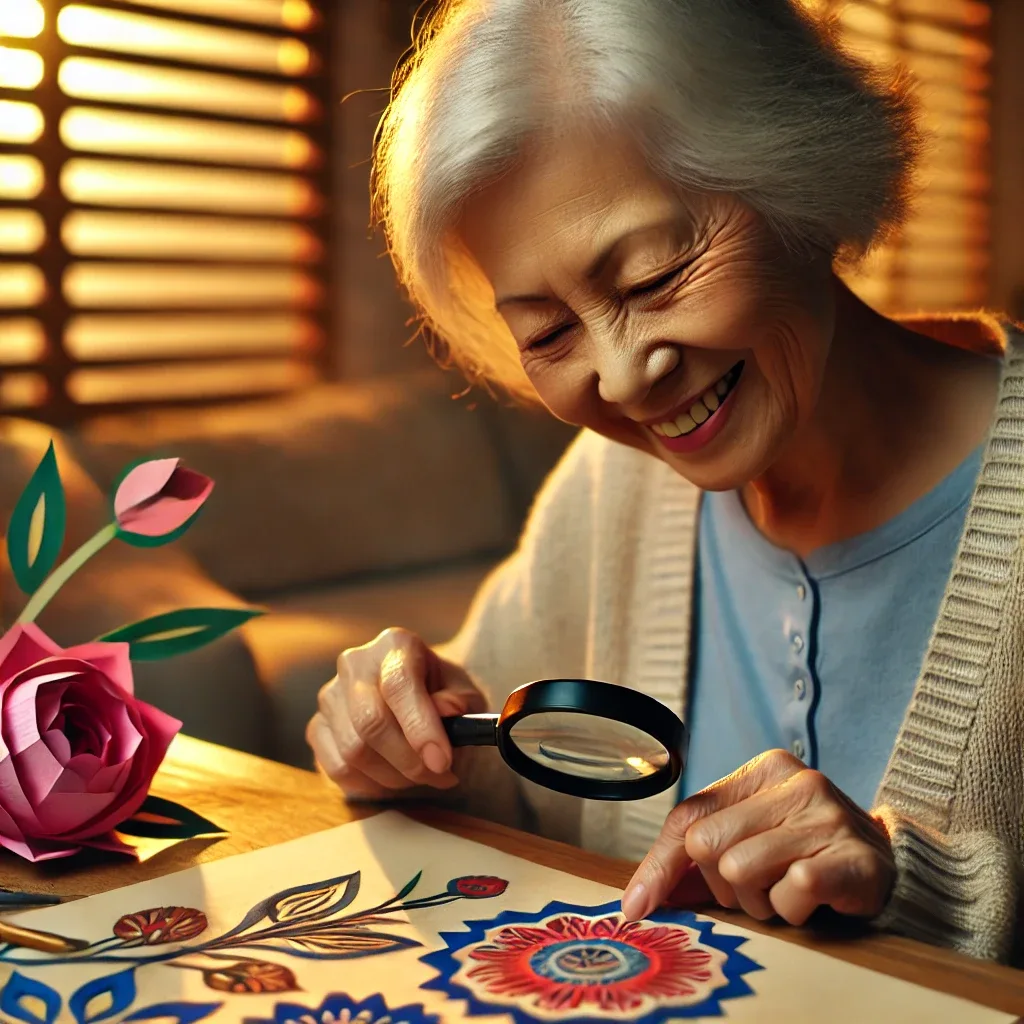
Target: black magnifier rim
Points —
{"points": [[600, 700]]}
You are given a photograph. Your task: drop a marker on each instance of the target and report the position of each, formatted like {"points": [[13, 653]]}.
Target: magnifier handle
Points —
{"points": [[472, 730]]}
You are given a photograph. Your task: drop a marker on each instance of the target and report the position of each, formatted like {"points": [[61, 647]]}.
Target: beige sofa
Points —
{"points": [[342, 510]]}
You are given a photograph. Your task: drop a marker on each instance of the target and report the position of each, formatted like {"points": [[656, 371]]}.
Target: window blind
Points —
{"points": [[940, 260], [164, 233]]}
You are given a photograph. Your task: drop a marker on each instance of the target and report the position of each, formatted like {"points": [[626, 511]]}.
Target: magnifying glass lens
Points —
{"points": [[587, 746]]}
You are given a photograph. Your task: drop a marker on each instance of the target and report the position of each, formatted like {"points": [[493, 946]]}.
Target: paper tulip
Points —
{"points": [[78, 750], [157, 499]]}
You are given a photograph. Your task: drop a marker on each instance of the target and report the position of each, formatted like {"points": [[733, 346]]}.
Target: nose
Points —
{"points": [[626, 375]]}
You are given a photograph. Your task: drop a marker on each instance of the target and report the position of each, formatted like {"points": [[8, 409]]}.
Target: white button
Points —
{"points": [[801, 591], [798, 749], [799, 688], [798, 642]]}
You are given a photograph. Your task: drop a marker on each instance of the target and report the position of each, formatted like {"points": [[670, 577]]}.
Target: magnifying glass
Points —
{"points": [[582, 737]]}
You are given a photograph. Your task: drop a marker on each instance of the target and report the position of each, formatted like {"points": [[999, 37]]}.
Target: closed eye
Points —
{"points": [[659, 283], [547, 339]]}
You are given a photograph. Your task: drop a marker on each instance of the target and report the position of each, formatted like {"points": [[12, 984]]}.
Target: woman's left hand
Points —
{"points": [[773, 838]]}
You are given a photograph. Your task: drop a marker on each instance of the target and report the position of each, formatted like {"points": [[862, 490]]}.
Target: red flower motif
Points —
{"points": [[477, 887], [159, 925], [251, 977], [605, 965]]}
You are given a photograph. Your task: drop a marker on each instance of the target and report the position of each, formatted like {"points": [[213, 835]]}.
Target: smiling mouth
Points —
{"points": [[701, 410]]}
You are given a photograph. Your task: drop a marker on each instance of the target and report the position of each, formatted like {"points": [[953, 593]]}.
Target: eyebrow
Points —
{"points": [[598, 264]]}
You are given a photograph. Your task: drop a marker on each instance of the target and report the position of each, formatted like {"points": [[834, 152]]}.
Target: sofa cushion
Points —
{"points": [[296, 647], [333, 481]]}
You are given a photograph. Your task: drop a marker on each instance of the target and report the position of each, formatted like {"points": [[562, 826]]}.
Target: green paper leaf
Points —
{"points": [[164, 819], [177, 632], [35, 535]]}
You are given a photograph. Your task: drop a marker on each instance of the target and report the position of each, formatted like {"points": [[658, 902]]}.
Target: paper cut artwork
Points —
{"points": [[304, 922], [576, 963], [387, 921]]}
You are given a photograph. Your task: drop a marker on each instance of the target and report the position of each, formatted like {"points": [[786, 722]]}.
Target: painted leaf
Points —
{"points": [[164, 819], [345, 888], [408, 887], [103, 998], [305, 902], [174, 1013], [35, 535], [178, 632], [251, 977], [29, 1001], [339, 943]]}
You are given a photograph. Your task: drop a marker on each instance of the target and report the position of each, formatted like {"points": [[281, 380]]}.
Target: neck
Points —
{"points": [[862, 456]]}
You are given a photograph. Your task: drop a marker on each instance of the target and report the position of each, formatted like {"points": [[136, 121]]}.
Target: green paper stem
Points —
{"points": [[42, 597]]}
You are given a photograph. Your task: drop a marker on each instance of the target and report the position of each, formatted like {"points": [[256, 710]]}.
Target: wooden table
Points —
{"points": [[261, 803]]}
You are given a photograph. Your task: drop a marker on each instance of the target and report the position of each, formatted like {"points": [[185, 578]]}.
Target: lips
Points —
{"points": [[702, 418]]}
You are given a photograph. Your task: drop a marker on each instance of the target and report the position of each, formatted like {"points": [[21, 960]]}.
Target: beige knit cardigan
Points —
{"points": [[600, 587]]}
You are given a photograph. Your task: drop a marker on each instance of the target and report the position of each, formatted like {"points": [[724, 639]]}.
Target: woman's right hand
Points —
{"points": [[378, 728]]}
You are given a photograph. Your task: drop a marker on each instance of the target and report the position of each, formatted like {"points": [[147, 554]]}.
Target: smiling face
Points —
{"points": [[679, 325]]}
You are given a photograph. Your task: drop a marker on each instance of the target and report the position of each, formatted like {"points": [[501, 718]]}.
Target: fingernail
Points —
{"points": [[434, 758], [634, 903]]}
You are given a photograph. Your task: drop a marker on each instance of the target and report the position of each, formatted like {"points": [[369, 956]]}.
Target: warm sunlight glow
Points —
{"points": [[95, 336], [20, 122], [22, 390], [21, 19], [96, 79], [97, 233], [122, 32], [134, 286], [140, 384], [21, 231], [20, 69], [21, 284], [21, 177], [294, 14], [114, 131], [122, 183], [24, 340]]}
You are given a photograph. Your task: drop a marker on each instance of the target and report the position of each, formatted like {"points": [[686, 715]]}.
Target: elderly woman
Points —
{"points": [[791, 519]]}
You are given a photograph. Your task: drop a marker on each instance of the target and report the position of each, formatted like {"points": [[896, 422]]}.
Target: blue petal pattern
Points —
{"points": [[121, 989], [19, 987], [336, 1004], [180, 1012]]}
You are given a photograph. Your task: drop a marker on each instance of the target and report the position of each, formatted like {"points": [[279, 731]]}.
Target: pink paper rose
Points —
{"points": [[78, 751], [158, 498]]}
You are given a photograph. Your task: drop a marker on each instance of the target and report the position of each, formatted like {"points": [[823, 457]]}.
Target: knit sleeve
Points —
{"points": [[959, 891]]}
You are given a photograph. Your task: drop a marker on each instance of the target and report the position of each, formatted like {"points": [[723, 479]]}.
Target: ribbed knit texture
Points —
{"points": [[601, 586]]}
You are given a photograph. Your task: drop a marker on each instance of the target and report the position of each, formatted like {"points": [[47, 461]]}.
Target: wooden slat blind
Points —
{"points": [[164, 231], [940, 261]]}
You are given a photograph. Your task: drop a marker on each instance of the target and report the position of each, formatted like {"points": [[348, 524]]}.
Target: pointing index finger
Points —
{"points": [[663, 867]]}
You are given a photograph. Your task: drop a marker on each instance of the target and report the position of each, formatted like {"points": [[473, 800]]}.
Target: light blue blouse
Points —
{"points": [[819, 656]]}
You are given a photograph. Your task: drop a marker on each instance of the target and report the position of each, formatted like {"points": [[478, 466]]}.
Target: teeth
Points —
{"points": [[699, 412]]}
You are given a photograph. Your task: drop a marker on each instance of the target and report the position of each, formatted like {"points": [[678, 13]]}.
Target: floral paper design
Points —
{"points": [[577, 964]]}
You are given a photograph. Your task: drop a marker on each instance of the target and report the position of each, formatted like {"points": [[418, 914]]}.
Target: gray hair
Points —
{"points": [[748, 97]]}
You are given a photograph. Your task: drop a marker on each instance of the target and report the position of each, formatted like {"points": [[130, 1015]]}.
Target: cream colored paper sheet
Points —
{"points": [[564, 965]]}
